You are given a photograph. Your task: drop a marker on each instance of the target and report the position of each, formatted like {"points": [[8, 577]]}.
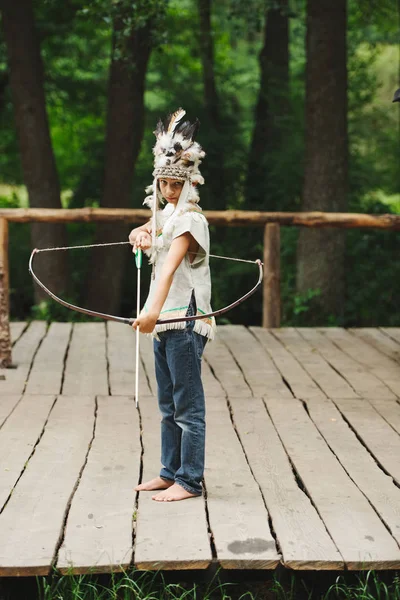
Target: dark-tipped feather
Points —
{"points": [[396, 97], [160, 129], [187, 130]]}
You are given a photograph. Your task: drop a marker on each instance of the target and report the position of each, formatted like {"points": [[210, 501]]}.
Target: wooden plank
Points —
{"points": [[8, 403], [359, 534], [121, 354], [16, 329], [98, 534], [390, 411], [169, 535], [23, 354], [237, 514], [377, 338], [225, 369], [86, 367], [359, 464], [258, 369], [48, 367], [378, 364], [212, 387], [301, 534], [392, 332], [18, 437], [147, 356], [330, 382], [300, 382], [365, 383], [31, 524], [382, 441]]}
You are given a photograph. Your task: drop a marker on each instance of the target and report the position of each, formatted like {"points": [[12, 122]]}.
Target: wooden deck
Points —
{"points": [[303, 453]]}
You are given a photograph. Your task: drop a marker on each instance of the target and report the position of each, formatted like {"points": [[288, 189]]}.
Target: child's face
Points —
{"points": [[171, 189]]}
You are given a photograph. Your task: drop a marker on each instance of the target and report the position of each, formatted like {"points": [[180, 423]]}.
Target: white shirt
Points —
{"points": [[189, 276]]}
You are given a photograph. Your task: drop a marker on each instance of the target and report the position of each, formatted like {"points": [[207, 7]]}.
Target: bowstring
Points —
{"points": [[84, 247]]}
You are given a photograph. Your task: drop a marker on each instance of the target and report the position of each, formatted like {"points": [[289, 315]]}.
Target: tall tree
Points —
{"points": [[40, 173], [132, 43], [320, 252], [264, 187], [215, 150]]}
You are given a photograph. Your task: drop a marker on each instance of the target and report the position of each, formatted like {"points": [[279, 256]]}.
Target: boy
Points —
{"points": [[177, 243]]}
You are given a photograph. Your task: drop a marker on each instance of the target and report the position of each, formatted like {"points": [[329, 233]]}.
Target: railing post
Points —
{"points": [[272, 276], [5, 337]]}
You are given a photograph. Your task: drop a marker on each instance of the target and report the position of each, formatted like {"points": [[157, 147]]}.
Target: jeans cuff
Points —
{"points": [[189, 488], [164, 474]]}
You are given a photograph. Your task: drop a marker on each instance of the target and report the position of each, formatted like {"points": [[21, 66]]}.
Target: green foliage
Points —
{"points": [[140, 585], [368, 586], [133, 585], [76, 42]]}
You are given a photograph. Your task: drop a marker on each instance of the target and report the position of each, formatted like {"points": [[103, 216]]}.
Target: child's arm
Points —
{"points": [[140, 237], [179, 247]]}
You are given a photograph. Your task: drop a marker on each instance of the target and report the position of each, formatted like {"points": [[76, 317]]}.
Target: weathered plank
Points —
{"points": [[147, 362], [390, 411], [302, 536], [300, 382], [212, 387], [237, 514], [330, 382], [379, 437], [18, 437], [23, 353], [359, 464], [121, 353], [359, 534], [98, 534], [365, 383], [258, 369], [16, 329], [32, 521], [169, 535], [86, 366], [7, 404], [378, 364], [225, 368], [379, 340], [47, 370], [392, 332]]}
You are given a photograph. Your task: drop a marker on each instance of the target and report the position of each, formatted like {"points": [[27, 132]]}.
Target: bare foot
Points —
{"points": [[158, 483], [174, 492]]}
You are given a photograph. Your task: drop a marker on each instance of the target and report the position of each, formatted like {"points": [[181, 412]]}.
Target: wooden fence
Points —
{"points": [[271, 221]]}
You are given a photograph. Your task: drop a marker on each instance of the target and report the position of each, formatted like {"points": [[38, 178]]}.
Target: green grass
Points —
{"points": [[283, 585], [134, 586]]}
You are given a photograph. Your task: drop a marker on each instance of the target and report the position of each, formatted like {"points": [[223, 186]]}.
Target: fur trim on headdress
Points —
{"points": [[178, 156]]}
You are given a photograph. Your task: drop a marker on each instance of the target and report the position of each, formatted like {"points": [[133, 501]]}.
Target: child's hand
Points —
{"points": [[143, 241], [146, 322]]}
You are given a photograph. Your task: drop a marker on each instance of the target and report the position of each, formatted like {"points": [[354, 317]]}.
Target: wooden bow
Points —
{"points": [[130, 321]]}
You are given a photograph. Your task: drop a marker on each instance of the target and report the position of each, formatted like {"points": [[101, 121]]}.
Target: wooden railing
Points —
{"points": [[271, 221]]}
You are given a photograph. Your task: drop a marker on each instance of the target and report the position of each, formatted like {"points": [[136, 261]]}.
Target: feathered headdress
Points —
{"points": [[178, 156]]}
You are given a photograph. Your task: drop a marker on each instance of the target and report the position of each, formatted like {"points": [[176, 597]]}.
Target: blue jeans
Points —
{"points": [[182, 405]]}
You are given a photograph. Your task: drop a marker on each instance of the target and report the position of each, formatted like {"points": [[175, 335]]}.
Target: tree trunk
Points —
{"points": [[125, 127], [38, 163], [214, 165], [264, 187], [320, 254]]}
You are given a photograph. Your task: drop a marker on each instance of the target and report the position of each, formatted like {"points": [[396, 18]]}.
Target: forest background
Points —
{"points": [[294, 100]]}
